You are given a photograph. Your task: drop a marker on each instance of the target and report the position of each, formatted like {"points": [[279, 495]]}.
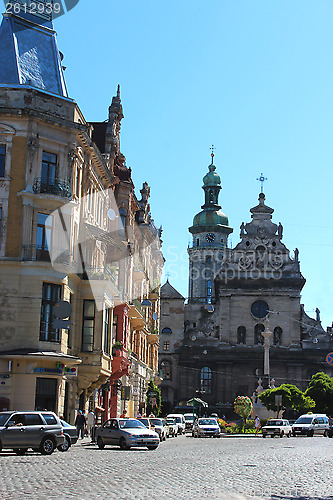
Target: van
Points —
{"points": [[180, 421], [190, 418], [310, 424]]}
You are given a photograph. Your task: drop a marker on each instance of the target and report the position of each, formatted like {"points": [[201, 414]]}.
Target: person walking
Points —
{"points": [[257, 424], [80, 423], [91, 424]]}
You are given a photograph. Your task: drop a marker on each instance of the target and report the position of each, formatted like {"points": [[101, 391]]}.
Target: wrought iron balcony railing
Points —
{"points": [[57, 187], [34, 252]]}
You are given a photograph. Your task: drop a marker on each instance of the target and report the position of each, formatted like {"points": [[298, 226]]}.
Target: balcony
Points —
{"points": [[56, 187], [35, 252]]}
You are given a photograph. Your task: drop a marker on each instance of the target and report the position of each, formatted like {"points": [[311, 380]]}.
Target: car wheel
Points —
{"points": [[20, 451], [272, 435], [281, 434], [289, 434], [47, 446], [310, 433], [100, 443], [66, 444], [0, 446], [264, 435], [122, 444], [150, 448], [325, 434], [294, 434]]}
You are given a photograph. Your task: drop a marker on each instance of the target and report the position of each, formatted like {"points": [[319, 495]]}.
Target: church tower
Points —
{"points": [[210, 232]]}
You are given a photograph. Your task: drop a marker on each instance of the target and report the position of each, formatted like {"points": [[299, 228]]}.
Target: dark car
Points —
{"points": [[39, 430], [71, 435]]}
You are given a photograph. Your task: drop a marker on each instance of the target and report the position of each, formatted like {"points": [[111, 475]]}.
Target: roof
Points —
{"points": [[34, 353], [169, 292]]}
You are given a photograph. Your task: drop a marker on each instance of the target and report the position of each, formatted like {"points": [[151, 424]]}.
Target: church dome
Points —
{"points": [[212, 178], [210, 218]]}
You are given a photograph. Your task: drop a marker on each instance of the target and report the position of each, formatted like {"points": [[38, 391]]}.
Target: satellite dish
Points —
{"points": [[111, 214], [62, 309], [155, 316]]}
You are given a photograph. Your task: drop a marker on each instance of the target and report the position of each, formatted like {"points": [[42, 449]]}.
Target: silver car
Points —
{"points": [[39, 430], [126, 433]]}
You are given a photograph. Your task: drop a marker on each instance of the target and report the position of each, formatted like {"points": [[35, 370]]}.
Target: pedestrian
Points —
{"points": [[91, 424], [257, 424], [138, 415], [124, 414], [80, 423]]}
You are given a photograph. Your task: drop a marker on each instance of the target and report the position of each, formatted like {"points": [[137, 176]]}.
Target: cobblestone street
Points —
{"points": [[230, 468]]}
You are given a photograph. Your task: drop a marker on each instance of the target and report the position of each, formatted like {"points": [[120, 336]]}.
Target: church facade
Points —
{"points": [[244, 325]]}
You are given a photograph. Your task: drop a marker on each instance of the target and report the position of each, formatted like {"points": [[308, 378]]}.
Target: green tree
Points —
{"points": [[153, 400], [320, 389], [243, 407], [292, 397]]}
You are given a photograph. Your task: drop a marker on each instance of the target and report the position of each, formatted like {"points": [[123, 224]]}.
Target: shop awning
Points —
{"points": [[196, 401]]}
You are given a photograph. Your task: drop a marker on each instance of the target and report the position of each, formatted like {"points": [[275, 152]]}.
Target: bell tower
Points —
{"points": [[210, 232]]}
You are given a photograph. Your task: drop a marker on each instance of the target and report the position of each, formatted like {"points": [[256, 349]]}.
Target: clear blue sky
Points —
{"points": [[253, 77]]}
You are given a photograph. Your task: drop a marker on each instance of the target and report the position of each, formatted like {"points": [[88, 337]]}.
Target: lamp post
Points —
{"points": [[267, 334]]}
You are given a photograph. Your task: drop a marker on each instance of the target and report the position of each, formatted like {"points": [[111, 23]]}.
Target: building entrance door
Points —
{"points": [[46, 394]]}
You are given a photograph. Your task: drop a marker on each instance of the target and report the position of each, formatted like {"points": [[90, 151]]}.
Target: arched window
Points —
{"points": [[167, 330], [258, 337], [241, 335], [277, 335], [206, 380], [166, 370]]}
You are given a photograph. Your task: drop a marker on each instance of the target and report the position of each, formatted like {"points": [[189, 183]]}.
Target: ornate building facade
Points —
{"points": [[243, 302], [71, 230]]}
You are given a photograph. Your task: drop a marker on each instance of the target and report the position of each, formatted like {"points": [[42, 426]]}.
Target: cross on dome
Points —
{"points": [[262, 179]]}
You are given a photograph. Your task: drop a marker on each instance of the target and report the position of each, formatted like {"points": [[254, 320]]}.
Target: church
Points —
{"points": [[243, 327]]}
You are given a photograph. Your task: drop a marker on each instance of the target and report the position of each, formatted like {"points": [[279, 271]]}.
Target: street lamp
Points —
{"points": [[267, 334]]}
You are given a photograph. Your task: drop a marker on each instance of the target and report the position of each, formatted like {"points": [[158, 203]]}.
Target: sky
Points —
{"points": [[252, 77]]}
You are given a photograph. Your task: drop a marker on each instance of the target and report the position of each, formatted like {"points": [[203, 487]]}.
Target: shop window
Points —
{"points": [[46, 394], [2, 160], [51, 294], [88, 325], [241, 335], [206, 380]]}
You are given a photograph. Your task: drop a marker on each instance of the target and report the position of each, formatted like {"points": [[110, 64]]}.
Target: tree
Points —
{"points": [[292, 397], [320, 389], [153, 400], [243, 407]]}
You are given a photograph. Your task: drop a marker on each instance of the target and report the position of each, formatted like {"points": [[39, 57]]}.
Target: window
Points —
{"points": [[166, 346], [258, 337], [88, 325], [206, 380], [46, 395], [49, 419], [106, 330], [166, 309], [241, 335], [49, 171], [209, 292], [167, 330], [2, 160], [33, 419], [78, 182], [114, 328], [166, 370], [44, 231], [51, 294], [277, 335], [122, 221], [0, 222]]}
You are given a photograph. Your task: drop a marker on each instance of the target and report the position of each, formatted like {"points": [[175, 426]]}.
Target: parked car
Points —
{"points": [[159, 427], [180, 421], [206, 427], [146, 421], [189, 420], [39, 430], [173, 427], [126, 433], [277, 427], [71, 435], [310, 424]]}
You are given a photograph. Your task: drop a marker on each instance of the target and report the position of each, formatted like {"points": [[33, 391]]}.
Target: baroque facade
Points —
{"points": [[72, 231], [243, 302]]}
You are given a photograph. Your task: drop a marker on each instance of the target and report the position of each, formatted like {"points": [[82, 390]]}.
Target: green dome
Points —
{"points": [[211, 218], [212, 178]]}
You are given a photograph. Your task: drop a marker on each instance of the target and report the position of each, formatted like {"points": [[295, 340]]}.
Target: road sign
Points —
{"points": [[329, 358]]}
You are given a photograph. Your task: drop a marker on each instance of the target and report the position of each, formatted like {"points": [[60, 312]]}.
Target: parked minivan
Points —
{"points": [[180, 421], [310, 424]]}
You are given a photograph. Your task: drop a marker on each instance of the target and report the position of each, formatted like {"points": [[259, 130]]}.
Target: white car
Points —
{"points": [[310, 424], [277, 427], [206, 427], [173, 427], [180, 421]]}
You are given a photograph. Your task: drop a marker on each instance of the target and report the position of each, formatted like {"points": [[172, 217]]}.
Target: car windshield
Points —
{"points": [[274, 422], [130, 424], [170, 421], [304, 420], [189, 417], [178, 420], [207, 421], [4, 418], [156, 421], [144, 421]]}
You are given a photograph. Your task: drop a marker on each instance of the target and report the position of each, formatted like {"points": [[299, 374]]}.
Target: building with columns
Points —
{"points": [[242, 301]]}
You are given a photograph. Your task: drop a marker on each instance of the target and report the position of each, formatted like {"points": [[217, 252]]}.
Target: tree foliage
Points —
{"points": [[153, 400], [320, 389], [292, 397], [243, 407]]}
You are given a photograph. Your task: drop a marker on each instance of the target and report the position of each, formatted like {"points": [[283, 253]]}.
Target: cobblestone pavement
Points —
{"points": [[231, 468]]}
